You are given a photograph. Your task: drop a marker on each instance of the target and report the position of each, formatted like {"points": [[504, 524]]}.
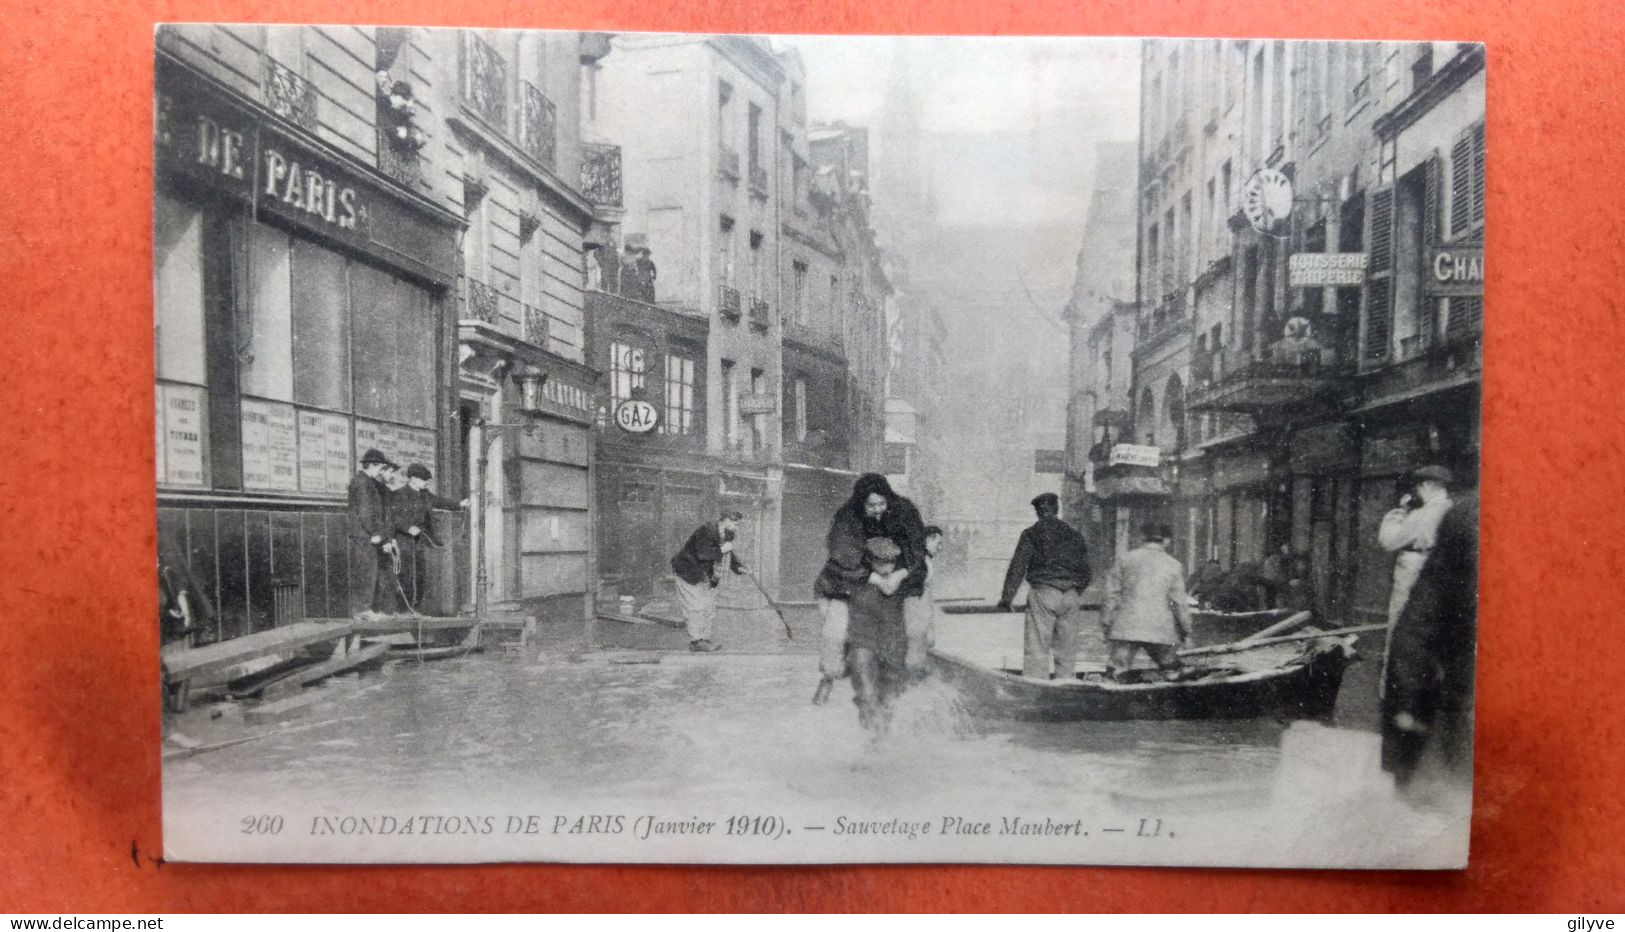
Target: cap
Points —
{"points": [[374, 456], [883, 549], [418, 471], [1047, 499], [1438, 474]]}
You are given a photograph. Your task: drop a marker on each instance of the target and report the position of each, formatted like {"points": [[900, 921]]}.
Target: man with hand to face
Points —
{"points": [[696, 568]]}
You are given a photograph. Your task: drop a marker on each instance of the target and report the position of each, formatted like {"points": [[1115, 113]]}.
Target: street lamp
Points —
{"points": [[530, 381]]}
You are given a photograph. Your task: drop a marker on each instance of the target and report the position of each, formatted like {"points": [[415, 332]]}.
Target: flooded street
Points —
{"points": [[561, 732]]}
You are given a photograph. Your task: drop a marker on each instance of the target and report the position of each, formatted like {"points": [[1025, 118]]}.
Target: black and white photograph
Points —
{"points": [[691, 449]]}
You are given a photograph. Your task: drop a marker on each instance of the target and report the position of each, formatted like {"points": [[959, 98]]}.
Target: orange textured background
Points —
{"points": [[79, 733]]}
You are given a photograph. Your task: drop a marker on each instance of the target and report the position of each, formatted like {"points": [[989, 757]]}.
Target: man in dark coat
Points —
{"points": [[1427, 707], [873, 510], [696, 568], [413, 510], [372, 539], [1053, 559]]}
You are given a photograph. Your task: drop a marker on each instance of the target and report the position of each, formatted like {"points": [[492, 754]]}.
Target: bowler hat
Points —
{"points": [[882, 549], [1438, 474], [418, 471], [373, 456]]}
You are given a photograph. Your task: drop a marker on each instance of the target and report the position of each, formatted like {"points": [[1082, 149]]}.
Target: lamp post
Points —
{"points": [[530, 396]]}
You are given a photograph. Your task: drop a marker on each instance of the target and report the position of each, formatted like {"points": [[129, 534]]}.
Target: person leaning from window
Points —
{"points": [[697, 580], [1053, 559]]}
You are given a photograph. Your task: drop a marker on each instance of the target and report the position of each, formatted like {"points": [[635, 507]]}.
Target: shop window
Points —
{"points": [[679, 417], [394, 364], [321, 328], [730, 403], [266, 358], [178, 292]]}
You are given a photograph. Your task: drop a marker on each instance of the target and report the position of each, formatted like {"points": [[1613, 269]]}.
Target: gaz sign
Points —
{"points": [[636, 416]]}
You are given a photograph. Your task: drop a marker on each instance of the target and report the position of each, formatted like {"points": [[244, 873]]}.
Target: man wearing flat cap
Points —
{"points": [[1408, 531], [413, 510], [696, 569], [1053, 559], [372, 539]]}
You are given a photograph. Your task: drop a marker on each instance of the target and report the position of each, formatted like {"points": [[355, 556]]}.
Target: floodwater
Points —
{"points": [[566, 730]]}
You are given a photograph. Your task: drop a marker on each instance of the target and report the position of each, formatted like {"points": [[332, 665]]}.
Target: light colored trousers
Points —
{"points": [[917, 614], [1052, 631], [699, 604]]}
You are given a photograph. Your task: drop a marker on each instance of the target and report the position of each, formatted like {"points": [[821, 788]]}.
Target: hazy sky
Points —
{"points": [[1035, 107]]}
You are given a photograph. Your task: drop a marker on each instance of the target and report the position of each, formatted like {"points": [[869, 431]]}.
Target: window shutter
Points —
{"points": [[1379, 285], [1478, 176], [1432, 180], [1382, 231], [1461, 187]]}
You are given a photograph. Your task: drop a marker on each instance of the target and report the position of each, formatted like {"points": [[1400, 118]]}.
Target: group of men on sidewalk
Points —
{"points": [[391, 530]]}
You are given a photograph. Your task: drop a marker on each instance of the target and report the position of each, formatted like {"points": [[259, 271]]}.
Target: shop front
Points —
{"points": [[300, 305]]}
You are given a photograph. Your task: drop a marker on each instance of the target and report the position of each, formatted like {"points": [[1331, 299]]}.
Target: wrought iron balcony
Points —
{"points": [[1295, 371], [538, 125], [289, 95], [601, 174], [728, 163], [759, 315], [480, 303], [535, 326], [728, 304], [485, 81]]}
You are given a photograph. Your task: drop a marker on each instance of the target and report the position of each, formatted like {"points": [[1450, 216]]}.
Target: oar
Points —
{"points": [[770, 603], [1265, 642], [1286, 624]]}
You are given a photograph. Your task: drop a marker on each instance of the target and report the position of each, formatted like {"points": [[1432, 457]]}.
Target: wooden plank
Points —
{"points": [[213, 658], [409, 624], [338, 663], [1265, 642], [1297, 620]]}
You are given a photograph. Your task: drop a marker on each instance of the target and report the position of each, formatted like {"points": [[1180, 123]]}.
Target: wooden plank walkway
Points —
{"points": [[183, 664]]}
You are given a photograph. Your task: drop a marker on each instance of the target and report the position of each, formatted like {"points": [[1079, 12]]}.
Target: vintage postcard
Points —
{"points": [[708, 448]]}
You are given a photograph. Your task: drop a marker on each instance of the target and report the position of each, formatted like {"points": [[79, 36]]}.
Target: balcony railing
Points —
{"points": [[728, 163], [480, 303], [485, 81], [535, 326], [728, 303], [601, 174], [289, 95], [538, 126], [759, 315], [1295, 371]]}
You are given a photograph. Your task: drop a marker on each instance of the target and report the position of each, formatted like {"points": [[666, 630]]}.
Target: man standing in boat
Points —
{"points": [[1053, 559], [372, 539], [697, 580], [1146, 607]]}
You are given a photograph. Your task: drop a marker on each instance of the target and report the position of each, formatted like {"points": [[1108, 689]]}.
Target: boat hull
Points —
{"points": [[1305, 688]]}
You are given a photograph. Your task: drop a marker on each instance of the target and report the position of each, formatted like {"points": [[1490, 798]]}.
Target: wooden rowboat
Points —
{"points": [[1300, 683]]}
